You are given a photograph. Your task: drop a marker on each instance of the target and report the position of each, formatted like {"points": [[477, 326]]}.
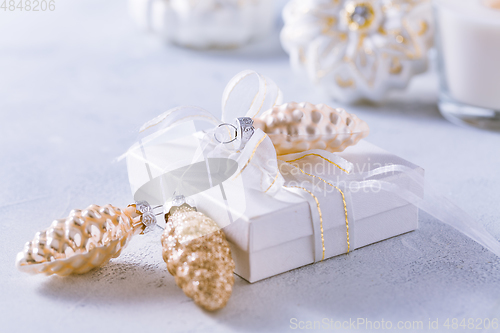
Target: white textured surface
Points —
{"points": [[74, 86]]}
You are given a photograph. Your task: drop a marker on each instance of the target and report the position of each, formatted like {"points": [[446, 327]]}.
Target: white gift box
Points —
{"points": [[276, 234], [273, 223]]}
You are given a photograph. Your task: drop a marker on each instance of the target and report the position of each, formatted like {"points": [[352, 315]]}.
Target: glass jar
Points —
{"points": [[468, 43], [206, 23]]}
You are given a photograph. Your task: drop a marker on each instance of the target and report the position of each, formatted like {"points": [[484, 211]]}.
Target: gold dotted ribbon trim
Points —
{"points": [[320, 217], [318, 155], [251, 156], [343, 200], [274, 181]]}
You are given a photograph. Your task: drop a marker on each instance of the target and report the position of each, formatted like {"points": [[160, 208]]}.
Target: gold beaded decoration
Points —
{"points": [[86, 239], [198, 256]]}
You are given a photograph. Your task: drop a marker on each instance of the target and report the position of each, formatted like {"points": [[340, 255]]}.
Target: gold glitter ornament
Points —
{"points": [[297, 127], [198, 256], [86, 239]]}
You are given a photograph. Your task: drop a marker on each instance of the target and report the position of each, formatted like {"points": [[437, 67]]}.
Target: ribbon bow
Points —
{"points": [[178, 152]]}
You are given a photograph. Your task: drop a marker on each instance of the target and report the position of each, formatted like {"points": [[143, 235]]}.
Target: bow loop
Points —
{"points": [[249, 94]]}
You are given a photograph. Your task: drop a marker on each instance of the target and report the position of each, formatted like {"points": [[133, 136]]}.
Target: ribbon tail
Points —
{"points": [[442, 209], [447, 212], [176, 116]]}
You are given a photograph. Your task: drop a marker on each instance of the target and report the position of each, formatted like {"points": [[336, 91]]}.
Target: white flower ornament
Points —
{"points": [[358, 49]]}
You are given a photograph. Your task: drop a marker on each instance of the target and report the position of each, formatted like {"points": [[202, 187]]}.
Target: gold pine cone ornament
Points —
{"points": [[85, 240], [297, 127], [198, 256]]}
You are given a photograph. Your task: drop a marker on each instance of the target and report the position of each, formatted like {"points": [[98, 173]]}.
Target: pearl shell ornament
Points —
{"points": [[198, 256], [297, 127], [358, 49], [86, 239]]}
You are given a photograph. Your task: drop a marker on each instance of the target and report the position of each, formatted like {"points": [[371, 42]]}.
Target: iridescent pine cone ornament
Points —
{"points": [[85, 240], [297, 127], [358, 49], [198, 256]]}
